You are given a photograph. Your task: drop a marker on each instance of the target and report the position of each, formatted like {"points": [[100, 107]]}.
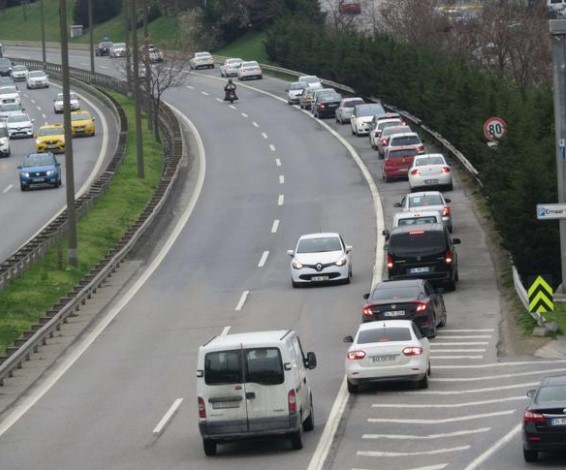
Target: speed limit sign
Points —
{"points": [[494, 128]]}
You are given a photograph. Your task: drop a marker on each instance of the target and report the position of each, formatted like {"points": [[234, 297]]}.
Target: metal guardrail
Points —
{"points": [[51, 322]]}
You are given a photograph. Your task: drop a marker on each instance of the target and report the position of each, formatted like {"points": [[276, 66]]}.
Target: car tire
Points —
{"points": [[294, 284], [431, 333], [297, 439], [444, 320], [308, 425], [423, 383], [530, 455], [209, 447], [450, 227], [23, 187], [352, 388], [353, 132], [386, 179], [449, 187]]}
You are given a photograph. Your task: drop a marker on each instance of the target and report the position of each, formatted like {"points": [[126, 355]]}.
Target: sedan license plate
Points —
{"points": [[38, 180], [319, 278], [394, 313], [431, 181], [424, 269], [558, 421], [389, 357]]}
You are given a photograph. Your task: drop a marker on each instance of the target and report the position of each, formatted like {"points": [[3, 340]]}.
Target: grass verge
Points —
{"points": [[28, 297], [248, 47]]}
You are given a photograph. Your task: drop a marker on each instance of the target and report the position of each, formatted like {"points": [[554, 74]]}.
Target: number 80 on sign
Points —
{"points": [[494, 128]]}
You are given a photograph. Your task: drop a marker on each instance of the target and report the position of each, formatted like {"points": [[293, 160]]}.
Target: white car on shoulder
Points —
{"points": [[249, 69], [201, 60], [230, 67], [58, 102], [430, 170], [9, 94], [37, 79], [387, 351]]}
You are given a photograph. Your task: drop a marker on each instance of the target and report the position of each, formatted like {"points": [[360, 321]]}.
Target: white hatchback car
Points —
{"points": [[250, 69], [430, 201], [294, 91], [37, 79], [58, 102], [387, 351], [19, 125], [320, 257], [9, 94], [201, 59], [20, 72], [363, 115], [230, 67], [429, 170]]}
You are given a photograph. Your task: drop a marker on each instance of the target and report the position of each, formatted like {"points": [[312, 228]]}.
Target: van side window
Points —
{"points": [[223, 367], [264, 366]]}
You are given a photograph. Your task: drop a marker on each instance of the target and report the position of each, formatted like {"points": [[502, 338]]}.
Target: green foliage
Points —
{"points": [[454, 99], [102, 10]]}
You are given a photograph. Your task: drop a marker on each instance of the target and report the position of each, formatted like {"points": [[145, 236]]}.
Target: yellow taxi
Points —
{"points": [[50, 138], [82, 123]]}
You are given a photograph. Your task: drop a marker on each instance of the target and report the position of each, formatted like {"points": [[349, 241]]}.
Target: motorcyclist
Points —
{"points": [[230, 88]]}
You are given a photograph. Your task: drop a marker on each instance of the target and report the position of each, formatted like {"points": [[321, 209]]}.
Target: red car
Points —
{"points": [[397, 162], [350, 6]]}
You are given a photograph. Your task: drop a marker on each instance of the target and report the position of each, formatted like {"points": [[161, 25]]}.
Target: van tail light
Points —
{"points": [[412, 351], [445, 169], [390, 262], [292, 401], [367, 312], [421, 307], [531, 417], [414, 172], [355, 355], [420, 148], [446, 211], [448, 257], [201, 408]]}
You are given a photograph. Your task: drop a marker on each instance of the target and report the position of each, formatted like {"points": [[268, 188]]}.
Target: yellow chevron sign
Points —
{"points": [[540, 296]]}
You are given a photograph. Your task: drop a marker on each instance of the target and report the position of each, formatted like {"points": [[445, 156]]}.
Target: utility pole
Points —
{"points": [[146, 64], [91, 35], [42, 21], [70, 172], [127, 27], [558, 31], [136, 81]]}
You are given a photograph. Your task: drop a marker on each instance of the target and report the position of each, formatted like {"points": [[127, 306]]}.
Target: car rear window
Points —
{"points": [[383, 335], [416, 241], [223, 367], [396, 130], [551, 394], [401, 153], [264, 366], [405, 140], [426, 200], [423, 161], [369, 109], [417, 220], [394, 293], [386, 124]]}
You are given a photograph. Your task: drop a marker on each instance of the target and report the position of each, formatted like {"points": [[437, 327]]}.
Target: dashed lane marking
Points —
{"points": [[275, 226], [263, 259], [280, 200], [272, 147], [242, 300], [281, 179]]}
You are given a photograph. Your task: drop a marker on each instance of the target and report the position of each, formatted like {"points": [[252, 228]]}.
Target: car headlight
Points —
{"points": [[25, 174], [296, 264], [50, 172], [342, 260], [37, 142]]}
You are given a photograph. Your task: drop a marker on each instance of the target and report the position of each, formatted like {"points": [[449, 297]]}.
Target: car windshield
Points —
{"points": [[426, 200], [332, 98], [402, 153], [50, 131], [80, 117], [392, 293], [417, 220], [352, 103], [19, 68], [8, 90], [72, 96], [309, 79], [424, 161], [384, 335], [369, 110], [416, 241], [250, 64], [318, 245], [38, 159], [551, 394], [18, 118], [297, 86], [405, 140], [202, 54], [37, 74], [5, 62]]}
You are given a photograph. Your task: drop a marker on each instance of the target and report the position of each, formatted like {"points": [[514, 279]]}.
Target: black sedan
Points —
{"points": [[544, 420], [326, 106], [410, 299], [5, 67]]}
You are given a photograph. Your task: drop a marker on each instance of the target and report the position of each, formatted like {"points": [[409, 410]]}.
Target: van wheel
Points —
{"points": [[297, 439], [209, 447], [308, 425], [352, 388]]}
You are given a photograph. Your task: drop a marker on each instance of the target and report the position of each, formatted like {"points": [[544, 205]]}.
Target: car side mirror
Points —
{"points": [[348, 248], [456, 241], [385, 233], [348, 339], [531, 393], [397, 204], [19, 167], [311, 360], [447, 199], [366, 295], [286, 89], [33, 120], [291, 252]]}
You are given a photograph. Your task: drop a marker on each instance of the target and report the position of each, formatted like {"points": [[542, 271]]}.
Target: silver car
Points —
{"points": [[58, 102], [19, 125], [37, 79], [320, 257], [346, 109], [294, 91], [430, 201], [20, 72], [362, 116], [230, 67]]}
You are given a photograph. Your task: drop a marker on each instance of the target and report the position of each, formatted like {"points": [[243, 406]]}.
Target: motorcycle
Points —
{"points": [[230, 96]]}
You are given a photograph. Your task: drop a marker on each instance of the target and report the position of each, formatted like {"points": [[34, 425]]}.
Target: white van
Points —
{"points": [[557, 6], [254, 385]]}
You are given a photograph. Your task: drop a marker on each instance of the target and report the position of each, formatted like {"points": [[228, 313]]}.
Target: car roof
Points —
{"points": [[256, 338], [554, 380], [422, 227], [319, 235], [380, 324]]}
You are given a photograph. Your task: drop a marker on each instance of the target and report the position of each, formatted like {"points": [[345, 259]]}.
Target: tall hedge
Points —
{"points": [[454, 99]]}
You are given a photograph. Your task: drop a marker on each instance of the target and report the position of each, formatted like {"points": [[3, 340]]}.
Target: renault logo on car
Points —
{"points": [[319, 267]]}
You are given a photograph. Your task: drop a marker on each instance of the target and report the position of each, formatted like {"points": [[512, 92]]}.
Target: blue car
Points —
{"points": [[40, 169]]}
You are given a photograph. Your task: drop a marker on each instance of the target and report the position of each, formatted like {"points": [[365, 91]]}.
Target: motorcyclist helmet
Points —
{"points": [[230, 81]]}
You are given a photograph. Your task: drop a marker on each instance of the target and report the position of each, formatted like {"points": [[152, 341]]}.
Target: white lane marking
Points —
{"points": [[466, 330], [503, 364], [272, 147], [225, 331], [190, 87], [428, 436], [428, 467], [232, 106], [457, 350], [263, 259], [278, 161], [219, 100], [409, 454], [255, 124], [275, 226], [32, 100], [244, 115], [264, 135], [281, 179], [496, 377], [478, 390], [167, 417], [463, 343], [103, 67], [441, 421], [280, 200], [474, 465], [447, 405], [242, 300], [204, 93], [449, 337], [327, 437], [455, 357], [23, 406], [10, 186]]}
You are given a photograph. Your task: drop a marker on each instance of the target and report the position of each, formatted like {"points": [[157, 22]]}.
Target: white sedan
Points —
{"points": [[429, 170], [73, 102], [320, 257], [201, 59], [230, 67], [9, 94], [387, 351], [37, 79], [250, 69]]}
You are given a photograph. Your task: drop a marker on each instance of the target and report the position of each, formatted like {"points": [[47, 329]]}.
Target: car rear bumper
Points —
{"points": [[234, 430]]}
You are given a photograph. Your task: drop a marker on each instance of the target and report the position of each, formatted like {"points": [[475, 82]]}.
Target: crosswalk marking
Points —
{"points": [[409, 454], [479, 390], [447, 405], [428, 436], [439, 421]]}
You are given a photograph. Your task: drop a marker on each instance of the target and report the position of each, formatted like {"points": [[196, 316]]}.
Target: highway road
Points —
{"points": [[27, 212], [271, 173]]}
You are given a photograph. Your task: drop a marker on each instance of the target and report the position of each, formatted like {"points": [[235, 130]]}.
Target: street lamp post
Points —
{"points": [[137, 97], [558, 31], [42, 21], [91, 35]]}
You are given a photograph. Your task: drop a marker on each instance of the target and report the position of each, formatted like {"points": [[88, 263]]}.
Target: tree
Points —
{"points": [[102, 10]]}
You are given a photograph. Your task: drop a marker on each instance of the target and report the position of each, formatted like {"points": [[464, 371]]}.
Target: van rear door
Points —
{"points": [[267, 397], [223, 392]]}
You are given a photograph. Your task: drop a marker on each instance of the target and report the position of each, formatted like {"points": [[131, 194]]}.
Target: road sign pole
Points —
{"points": [[558, 31]]}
